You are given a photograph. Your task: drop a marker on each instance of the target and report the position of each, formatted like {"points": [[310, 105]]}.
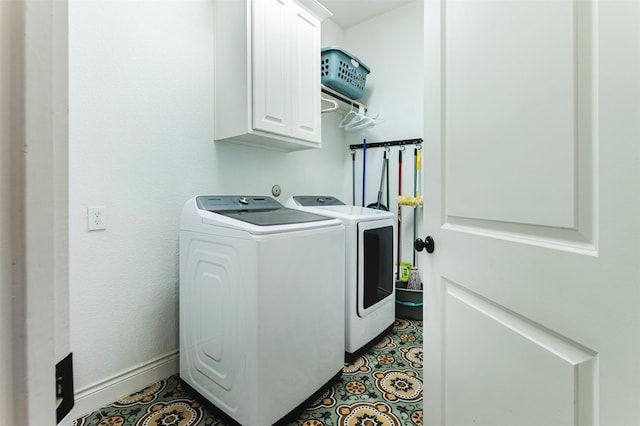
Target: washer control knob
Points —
{"points": [[243, 201]]}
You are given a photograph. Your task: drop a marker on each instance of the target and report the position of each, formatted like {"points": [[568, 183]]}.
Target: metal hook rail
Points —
{"points": [[417, 141], [324, 89]]}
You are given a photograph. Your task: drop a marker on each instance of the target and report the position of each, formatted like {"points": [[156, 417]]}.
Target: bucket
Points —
{"points": [[409, 303]]}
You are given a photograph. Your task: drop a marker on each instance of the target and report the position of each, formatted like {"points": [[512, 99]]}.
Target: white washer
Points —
{"points": [[261, 306], [369, 275]]}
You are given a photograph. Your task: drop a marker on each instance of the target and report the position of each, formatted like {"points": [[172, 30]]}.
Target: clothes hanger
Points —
{"points": [[362, 124], [358, 118], [331, 108], [361, 121], [347, 118]]}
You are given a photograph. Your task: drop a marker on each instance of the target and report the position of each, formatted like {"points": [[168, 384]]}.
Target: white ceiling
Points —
{"points": [[347, 13]]}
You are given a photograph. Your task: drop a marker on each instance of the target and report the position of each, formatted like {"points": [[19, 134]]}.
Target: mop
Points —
{"points": [[413, 200]]}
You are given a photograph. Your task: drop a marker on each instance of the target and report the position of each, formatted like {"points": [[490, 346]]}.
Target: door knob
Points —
{"points": [[427, 244]]}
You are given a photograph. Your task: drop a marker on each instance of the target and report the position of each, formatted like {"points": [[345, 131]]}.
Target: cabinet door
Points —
{"points": [[305, 76], [271, 66]]}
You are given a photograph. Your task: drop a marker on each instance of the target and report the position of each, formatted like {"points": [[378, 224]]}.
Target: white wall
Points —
{"points": [[391, 45], [141, 132], [141, 144]]}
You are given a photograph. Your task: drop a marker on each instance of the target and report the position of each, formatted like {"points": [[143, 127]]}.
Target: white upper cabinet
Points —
{"points": [[267, 73]]}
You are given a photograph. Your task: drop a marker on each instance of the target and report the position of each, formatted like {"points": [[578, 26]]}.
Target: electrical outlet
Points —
{"points": [[96, 219]]}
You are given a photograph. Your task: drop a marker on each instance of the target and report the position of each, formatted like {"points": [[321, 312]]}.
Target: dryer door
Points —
{"points": [[375, 264]]}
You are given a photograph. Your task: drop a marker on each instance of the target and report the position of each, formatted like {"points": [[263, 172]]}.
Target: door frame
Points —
{"points": [[35, 228]]}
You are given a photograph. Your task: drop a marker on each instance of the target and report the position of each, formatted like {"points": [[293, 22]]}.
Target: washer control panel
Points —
{"points": [[221, 203]]}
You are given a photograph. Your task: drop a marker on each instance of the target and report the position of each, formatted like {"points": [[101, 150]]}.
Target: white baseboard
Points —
{"points": [[115, 387]]}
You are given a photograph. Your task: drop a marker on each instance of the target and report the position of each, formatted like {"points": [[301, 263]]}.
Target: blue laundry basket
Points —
{"points": [[343, 72]]}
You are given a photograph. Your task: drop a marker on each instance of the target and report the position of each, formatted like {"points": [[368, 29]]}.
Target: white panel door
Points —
{"points": [[532, 195], [271, 66], [305, 76]]}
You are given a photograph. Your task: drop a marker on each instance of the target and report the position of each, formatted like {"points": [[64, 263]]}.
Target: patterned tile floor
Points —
{"points": [[381, 388]]}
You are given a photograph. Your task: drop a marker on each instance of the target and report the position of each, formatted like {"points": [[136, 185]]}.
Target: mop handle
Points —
{"points": [[399, 211], [353, 177], [419, 173], [387, 176], [364, 166], [415, 170]]}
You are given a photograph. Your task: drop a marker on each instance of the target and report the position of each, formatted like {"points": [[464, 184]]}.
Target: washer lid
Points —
{"points": [[257, 210], [317, 200]]}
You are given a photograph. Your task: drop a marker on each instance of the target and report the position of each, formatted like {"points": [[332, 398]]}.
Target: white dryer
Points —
{"points": [[369, 274], [261, 306]]}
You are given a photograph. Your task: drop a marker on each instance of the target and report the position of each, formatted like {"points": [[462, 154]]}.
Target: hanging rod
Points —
{"points": [[417, 141], [340, 97]]}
